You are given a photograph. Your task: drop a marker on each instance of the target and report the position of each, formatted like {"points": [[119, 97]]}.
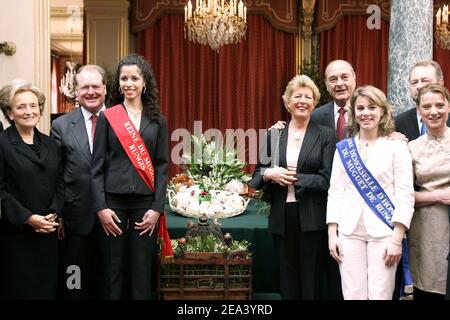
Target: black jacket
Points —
{"points": [[313, 174], [28, 184], [113, 172]]}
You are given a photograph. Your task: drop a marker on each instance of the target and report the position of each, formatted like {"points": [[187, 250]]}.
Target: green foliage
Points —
{"points": [[212, 166], [208, 243]]}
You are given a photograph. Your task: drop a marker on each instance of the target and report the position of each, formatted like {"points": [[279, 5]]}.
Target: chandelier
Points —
{"points": [[442, 32], [67, 86], [214, 23]]}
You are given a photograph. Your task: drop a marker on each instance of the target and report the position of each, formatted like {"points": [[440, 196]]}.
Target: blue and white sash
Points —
{"points": [[372, 193]]}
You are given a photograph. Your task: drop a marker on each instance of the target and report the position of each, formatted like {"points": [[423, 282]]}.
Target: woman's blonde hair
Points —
{"points": [[300, 81], [9, 91], [434, 88], [376, 98]]}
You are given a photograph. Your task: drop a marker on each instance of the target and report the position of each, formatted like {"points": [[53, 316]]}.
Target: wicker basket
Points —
{"points": [[205, 276]]}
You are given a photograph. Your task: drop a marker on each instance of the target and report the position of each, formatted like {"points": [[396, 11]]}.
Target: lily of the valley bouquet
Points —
{"points": [[212, 183]]}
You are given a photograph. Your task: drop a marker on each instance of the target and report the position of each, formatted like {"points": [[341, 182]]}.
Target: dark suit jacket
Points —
{"points": [[313, 174], [406, 123], [69, 132], [28, 184], [324, 115], [113, 172]]}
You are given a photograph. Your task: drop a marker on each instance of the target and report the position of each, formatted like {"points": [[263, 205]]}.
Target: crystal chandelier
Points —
{"points": [[67, 86], [442, 32], [215, 22]]}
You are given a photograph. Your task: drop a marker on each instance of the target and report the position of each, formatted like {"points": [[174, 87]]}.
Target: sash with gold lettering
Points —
{"points": [[373, 194], [137, 152]]}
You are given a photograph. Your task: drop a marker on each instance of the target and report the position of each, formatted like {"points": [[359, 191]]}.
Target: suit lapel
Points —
{"points": [[21, 147], [414, 127], [283, 147], [78, 129], [144, 123], [311, 135], [327, 115]]}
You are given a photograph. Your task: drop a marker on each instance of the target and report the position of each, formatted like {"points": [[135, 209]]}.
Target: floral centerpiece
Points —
{"points": [[212, 182]]}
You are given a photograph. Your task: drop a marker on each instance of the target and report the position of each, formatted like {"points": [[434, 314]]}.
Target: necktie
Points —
{"points": [[340, 126], [94, 119], [423, 128]]}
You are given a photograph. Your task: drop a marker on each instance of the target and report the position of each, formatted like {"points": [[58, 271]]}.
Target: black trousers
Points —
{"points": [[81, 254], [128, 258], [302, 258]]}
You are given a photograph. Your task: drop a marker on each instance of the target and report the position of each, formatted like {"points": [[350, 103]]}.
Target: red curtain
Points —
{"points": [[366, 49], [442, 57], [239, 87]]}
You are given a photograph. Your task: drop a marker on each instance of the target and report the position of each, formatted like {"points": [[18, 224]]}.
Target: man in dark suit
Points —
{"points": [[340, 79], [73, 132], [422, 73]]}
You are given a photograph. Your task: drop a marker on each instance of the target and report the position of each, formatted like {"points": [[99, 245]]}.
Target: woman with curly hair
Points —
{"points": [[129, 173], [370, 200]]}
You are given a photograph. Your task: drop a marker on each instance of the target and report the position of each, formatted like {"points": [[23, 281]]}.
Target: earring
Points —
{"points": [[120, 90], [145, 89]]}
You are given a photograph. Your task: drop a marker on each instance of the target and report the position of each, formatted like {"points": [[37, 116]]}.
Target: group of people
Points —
{"points": [[355, 201], [344, 185], [81, 176]]}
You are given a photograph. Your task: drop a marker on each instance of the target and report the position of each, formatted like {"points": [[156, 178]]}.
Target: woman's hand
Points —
{"points": [[108, 219], [280, 175], [42, 224], [392, 253], [334, 244], [149, 221], [444, 196]]}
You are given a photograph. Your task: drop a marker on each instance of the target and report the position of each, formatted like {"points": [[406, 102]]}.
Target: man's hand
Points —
{"points": [[279, 125], [108, 218]]}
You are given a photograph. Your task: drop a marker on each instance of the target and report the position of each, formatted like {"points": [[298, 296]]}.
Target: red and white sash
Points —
{"points": [[137, 152]]}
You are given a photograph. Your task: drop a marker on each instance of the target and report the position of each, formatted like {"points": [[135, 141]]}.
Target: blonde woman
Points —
{"points": [[370, 200], [429, 235], [298, 183]]}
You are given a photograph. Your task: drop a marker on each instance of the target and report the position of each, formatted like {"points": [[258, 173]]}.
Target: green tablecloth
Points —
{"points": [[250, 225]]}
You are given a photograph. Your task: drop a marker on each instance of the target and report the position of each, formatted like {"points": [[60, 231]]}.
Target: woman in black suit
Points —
{"points": [[127, 207], [30, 174], [298, 185]]}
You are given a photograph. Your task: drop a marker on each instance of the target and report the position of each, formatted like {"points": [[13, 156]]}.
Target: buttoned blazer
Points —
{"points": [[313, 174], [390, 164], [69, 133], [29, 184], [112, 170]]}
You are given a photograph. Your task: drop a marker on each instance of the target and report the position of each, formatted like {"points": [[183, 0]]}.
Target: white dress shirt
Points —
{"points": [[88, 123]]}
